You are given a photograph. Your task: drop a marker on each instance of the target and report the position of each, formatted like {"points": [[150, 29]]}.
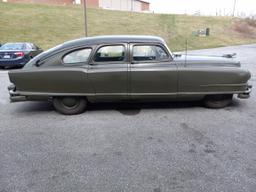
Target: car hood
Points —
{"points": [[200, 60]]}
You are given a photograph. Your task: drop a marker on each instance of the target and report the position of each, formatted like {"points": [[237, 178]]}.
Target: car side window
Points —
{"points": [[33, 46], [77, 56], [149, 53], [28, 46], [111, 53]]}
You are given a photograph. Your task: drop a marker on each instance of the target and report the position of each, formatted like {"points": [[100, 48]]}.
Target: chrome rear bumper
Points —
{"points": [[14, 96]]}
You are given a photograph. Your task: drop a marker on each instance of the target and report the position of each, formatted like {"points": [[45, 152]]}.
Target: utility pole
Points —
{"points": [[234, 8], [85, 19]]}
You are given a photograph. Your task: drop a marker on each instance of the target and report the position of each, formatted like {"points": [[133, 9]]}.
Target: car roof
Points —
{"points": [[89, 41], [113, 39], [17, 43], [14, 43]]}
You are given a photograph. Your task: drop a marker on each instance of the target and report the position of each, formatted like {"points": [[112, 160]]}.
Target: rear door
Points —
{"points": [[108, 72], [152, 72]]}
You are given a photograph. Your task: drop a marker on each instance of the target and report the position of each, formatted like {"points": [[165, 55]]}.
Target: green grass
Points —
{"points": [[48, 25]]}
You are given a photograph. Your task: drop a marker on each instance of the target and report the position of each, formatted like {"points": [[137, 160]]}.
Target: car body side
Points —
{"points": [[172, 79]]}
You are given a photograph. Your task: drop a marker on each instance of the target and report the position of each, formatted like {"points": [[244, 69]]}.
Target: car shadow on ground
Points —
{"points": [[126, 108], [135, 108], [29, 107], [129, 109]]}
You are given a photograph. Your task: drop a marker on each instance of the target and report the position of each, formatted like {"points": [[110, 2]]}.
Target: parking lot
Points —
{"points": [[158, 147]]}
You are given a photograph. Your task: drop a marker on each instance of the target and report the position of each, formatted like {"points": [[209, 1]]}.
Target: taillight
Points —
{"points": [[19, 54]]}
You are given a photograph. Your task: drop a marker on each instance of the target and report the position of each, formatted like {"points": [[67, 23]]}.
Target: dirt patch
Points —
{"points": [[246, 27], [251, 22]]}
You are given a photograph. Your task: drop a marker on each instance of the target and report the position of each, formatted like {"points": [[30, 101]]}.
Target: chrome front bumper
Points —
{"points": [[246, 94]]}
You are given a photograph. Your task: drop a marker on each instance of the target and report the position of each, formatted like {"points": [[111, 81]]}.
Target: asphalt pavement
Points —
{"points": [[154, 147]]}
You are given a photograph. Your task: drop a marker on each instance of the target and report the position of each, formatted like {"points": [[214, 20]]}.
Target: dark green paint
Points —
{"points": [[181, 77]]}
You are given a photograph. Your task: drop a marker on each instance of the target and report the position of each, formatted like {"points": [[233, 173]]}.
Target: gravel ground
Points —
{"points": [[158, 147]]}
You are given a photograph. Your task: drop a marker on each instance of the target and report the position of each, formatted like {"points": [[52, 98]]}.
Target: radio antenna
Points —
{"points": [[186, 53]]}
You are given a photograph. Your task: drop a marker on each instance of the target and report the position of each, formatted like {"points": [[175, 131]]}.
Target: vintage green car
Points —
{"points": [[126, 68]]}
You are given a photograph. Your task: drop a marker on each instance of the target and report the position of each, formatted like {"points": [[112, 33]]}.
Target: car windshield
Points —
{"points": [[12, 46]]}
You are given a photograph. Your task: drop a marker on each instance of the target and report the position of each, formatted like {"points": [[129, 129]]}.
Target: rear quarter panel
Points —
{"points": [[52, 80]]}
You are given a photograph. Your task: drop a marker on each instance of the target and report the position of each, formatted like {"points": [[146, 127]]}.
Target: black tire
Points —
{"points": [[218, 101], [70, 105]]}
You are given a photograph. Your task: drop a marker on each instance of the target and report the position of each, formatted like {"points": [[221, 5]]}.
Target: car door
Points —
{"points": [[152, 72], [108, 72]]}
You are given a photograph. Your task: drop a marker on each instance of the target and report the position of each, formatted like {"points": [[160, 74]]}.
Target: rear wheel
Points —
{"points": [[70, 105], [218, 101]]}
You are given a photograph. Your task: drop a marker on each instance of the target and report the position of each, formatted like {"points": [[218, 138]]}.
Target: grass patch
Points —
{"points": [[49, 25]]}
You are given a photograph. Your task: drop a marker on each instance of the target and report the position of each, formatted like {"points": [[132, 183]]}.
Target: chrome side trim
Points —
{"points": [[122, 94], [224, 85]]}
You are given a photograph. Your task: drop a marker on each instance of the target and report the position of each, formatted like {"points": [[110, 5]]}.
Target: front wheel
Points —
{"points": [[70, 105], [218, 101]]}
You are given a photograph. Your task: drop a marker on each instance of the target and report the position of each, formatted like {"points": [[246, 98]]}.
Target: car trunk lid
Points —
{"points": [[8, 55]]}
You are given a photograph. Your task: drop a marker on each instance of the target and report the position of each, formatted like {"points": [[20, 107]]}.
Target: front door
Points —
{"points": [[153, 75], [108, 72]]}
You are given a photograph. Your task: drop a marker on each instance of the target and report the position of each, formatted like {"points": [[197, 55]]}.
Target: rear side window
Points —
{"points": [[13, 46], [28, 46], [78, 56], [33, 46], [149, 53], [110, 54]]}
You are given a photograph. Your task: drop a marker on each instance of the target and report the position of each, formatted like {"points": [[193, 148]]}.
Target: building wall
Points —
{"points": [[106, 4], [137, 6], [91, 3], [145, 6], [123, 5], [62, 2]]}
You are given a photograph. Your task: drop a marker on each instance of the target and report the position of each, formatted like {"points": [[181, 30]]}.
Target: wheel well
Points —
{"points": [[218, 96]]}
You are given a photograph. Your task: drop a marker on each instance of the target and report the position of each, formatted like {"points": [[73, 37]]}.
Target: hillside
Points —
{"points": [[51, 25]]}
